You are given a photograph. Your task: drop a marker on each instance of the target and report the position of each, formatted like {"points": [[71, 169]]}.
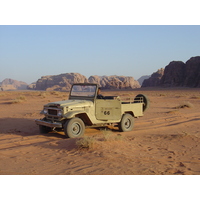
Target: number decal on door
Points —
{"points": [[106, 112]]}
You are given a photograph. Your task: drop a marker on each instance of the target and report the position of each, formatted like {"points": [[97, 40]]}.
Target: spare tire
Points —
{"points": [[144, 99]]}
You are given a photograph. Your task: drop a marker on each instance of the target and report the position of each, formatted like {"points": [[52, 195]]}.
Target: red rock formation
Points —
{"points": [[10, 84], [60, 82], [192, 72], [174, 74], [115, 82], [64, 82], [154, 80], [177, 74]]}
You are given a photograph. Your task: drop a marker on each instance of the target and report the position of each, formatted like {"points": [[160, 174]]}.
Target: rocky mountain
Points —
{"points": [[59, 82], [63, 82], [115, 82], [142, 78], [10, 84], [177, 74], [32, 86], [154, 79], [192, 72], [174, 74]]}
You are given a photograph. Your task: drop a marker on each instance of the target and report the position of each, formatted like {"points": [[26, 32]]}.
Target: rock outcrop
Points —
{"points": [[177, 74], [63, 82], [115, 82], [192, 72], [142, 78], [31, 86], [174, 74], [10, 84], [59, 82], [154, 80]]}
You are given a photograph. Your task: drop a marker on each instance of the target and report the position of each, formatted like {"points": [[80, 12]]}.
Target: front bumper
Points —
{"points": [[48, 124]]}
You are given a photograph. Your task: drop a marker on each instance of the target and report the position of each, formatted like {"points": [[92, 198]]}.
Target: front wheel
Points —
{"points": [[126, 123], [74, 128]]}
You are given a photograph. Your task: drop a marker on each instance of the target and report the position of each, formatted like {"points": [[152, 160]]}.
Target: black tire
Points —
{"points": [[145, 101], [74, 128], [44, 129], [126, 123]]}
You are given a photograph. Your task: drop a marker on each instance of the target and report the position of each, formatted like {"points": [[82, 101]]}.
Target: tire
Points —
{"points": [[127, 123], [44, 129], [74, 128], [145, 101]]}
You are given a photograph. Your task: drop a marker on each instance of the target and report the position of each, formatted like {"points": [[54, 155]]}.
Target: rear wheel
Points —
{"points": [[74, 128], [126, 123]]}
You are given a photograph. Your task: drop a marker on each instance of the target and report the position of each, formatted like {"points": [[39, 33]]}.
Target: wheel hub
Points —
{"points": [[127, 123], [76, 128]]}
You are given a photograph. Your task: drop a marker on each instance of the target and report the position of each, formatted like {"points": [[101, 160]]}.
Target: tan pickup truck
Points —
{"points": [[86, 108]]}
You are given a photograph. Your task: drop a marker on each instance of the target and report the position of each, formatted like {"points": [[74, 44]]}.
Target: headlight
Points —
{"points": [[59, 113], [45, 111]]}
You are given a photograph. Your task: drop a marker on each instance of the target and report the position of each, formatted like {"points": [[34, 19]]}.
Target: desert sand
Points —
{"points": [[165, 141]]}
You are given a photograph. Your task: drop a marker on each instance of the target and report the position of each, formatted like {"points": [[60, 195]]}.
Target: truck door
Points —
{"points": [[107, 109]]}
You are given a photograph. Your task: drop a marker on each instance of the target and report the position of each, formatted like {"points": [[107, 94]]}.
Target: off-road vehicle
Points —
{"points": [[84, 108]]}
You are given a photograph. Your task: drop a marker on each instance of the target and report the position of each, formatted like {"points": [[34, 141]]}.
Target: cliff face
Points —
{"points": [[177, 74], [174, 74], [59, 82], [192, 72], [64, 82], [115, 82], [154, 80]]}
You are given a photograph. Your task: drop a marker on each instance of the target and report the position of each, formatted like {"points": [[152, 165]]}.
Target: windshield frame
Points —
{"points": [[83, 90]]}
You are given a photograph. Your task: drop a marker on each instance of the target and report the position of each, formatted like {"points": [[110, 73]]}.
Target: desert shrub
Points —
{"points": [[185, 105], [110, 136], [89, 142], [185, 133], [2, 94], [19, 99], [195, 97], [86, 142], [55, 93], [43, 95], [106, 135], [162, 95]]}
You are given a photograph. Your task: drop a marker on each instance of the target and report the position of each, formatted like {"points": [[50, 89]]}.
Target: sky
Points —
{"points": [[28, 52]]}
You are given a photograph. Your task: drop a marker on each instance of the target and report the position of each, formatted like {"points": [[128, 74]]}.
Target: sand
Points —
{"points": [[165, 141]]}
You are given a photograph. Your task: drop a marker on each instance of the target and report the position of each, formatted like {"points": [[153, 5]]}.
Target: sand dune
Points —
{"points": [[165, 141]]}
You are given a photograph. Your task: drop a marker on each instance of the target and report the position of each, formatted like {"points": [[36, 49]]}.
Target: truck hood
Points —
{"points": [[71, 103]]}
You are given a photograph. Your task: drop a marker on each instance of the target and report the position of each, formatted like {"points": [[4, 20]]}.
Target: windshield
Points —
{"points": [[83, 90]]}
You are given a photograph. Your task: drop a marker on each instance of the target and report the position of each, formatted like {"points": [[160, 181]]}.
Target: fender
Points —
{"points": [[72, 114]]}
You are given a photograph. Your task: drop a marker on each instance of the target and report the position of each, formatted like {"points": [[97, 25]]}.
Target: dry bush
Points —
{"points": [[55, 93], [86, 142], [19, 99], [162, 95], [109, 136], [185, 105], [42, 95], [89, 142], [2, 94], [59, 94], [195, 97]]}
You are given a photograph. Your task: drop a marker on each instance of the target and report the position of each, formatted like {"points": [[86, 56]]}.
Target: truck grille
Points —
{"points": [[52, 112]]}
